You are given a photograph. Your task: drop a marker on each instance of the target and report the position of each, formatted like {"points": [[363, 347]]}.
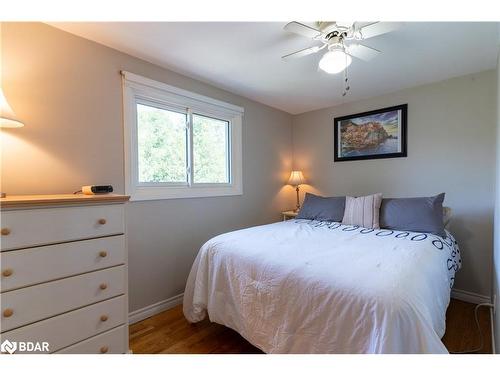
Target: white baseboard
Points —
{"points": [[470, 297], [155, 308]]}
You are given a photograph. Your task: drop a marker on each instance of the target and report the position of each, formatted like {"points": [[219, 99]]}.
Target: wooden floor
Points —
{"points": [[169, 332], [461, 330]]}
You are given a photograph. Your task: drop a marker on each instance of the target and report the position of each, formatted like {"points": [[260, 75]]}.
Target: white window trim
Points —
{"points": [[135, 86]]}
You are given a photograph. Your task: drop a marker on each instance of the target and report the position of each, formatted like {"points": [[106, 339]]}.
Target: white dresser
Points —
{"points": [[63, 265]]}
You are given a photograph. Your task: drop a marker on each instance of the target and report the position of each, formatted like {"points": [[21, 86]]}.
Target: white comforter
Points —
{"points": [[305, 286]]}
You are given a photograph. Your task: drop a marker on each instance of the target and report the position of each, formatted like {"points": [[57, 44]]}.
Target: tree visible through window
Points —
{"points": [[163, 141], [210, 150], [162, 146]]}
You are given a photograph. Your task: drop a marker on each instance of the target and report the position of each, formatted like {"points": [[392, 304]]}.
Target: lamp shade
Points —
{"points": [[8, 118], [296, 178]]}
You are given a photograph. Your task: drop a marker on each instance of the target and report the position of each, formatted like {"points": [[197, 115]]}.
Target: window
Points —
{"points": [[210, 150], [179, 144]]}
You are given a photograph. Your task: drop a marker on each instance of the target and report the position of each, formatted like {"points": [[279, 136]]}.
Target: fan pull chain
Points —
{"points": [[346, 79]]}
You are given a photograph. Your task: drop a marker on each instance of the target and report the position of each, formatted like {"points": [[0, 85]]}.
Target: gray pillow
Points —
{"points": [[413, 214], [322, 208]]}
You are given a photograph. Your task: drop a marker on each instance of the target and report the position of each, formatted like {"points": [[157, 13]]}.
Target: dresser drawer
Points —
{"points": [[111, 342], [25, 228], [66, 329], [21, 268], [28, 305]]}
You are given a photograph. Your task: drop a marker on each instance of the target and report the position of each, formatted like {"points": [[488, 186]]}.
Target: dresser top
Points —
{"points": [[16, 201]]}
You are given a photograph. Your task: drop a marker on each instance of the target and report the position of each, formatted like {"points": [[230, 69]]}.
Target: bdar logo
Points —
{"points": [[8, 347]]}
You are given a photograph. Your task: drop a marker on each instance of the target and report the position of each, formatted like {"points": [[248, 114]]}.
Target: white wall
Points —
{"points": [[451, 149], [67, 90]]}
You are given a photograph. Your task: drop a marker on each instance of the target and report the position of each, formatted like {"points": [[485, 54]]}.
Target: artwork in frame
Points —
{"points": [[371, 135]]}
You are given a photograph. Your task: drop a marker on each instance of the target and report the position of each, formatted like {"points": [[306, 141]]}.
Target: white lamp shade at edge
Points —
{"points": [[8, 118], [9, 123]]}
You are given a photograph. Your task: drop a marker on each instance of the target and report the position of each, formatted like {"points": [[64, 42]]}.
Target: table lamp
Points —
{"points": [[8, 118], [296, 179]]}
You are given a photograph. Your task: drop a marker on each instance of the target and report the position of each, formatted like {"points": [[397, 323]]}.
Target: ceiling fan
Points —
{"points": [[341, 39]]}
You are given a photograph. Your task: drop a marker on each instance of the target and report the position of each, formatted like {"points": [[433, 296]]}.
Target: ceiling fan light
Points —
{"points": [[334, 61]]}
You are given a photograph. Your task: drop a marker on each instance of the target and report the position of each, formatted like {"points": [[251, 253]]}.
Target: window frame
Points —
{"points": [[141, 90]]}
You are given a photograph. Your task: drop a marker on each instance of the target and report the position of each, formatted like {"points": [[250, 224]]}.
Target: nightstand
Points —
{"points": [[289, 214]]}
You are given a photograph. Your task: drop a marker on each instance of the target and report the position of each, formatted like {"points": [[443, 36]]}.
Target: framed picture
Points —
{"points": [[371, 135]]}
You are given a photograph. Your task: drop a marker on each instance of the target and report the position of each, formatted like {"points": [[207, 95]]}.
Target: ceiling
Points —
{"points": [[244, 57]]}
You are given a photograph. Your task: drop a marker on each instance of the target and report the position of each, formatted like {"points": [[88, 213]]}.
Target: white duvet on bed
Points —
{"points": [[305, 286]]}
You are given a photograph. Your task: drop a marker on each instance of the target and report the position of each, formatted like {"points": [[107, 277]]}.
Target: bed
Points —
{"points": [[305, 286]]}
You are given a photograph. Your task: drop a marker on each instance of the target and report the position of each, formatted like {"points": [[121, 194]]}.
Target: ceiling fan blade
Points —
{"points": [[379, 28], [301, 29], [362, 52], [301, 53]]}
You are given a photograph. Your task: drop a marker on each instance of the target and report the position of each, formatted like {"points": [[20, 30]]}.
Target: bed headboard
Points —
{"points": [[446, 216]]}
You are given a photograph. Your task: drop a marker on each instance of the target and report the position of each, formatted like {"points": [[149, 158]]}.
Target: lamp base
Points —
{"points": [[297, 208]]}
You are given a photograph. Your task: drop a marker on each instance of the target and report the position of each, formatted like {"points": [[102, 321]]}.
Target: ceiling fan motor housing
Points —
{"points": [[336, 43], [331, 30]]}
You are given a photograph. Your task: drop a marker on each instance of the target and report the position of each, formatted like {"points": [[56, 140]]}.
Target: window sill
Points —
{"points": [[161, 192]]}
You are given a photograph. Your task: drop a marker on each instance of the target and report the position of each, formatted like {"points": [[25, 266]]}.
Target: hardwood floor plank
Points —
{"points": [[461, 330], [170, 332]]}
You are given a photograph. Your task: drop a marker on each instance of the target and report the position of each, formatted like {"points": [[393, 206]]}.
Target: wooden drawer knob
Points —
{"points": [[7, 272], [104, 318], [8, 313], [102, 221], [103, 286], [5, 231], [104, 349], [103, 254]]}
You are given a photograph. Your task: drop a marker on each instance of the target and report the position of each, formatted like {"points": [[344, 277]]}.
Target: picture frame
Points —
{"points": [[377, 134]]}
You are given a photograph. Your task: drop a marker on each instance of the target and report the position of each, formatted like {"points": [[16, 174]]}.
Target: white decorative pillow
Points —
{"points": [[363, 211]]}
